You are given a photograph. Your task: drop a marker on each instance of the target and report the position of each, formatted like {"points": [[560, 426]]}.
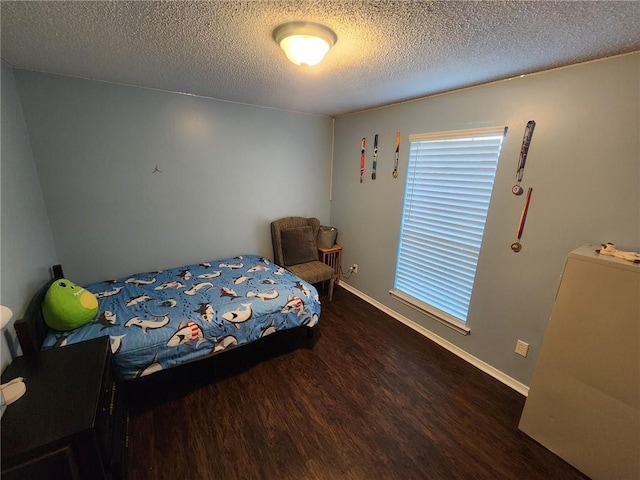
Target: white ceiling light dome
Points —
{"points": [[304, 43]]}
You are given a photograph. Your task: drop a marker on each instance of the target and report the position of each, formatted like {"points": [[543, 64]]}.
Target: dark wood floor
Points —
{"points": [[367, 398]]}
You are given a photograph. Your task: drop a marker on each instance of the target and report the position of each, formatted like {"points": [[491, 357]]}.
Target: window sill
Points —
{"points": [[431, 312]]}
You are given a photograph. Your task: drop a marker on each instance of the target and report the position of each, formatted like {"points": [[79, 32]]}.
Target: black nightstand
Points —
{"points": [[71, 423]]}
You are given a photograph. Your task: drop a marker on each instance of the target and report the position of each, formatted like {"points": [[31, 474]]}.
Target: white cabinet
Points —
{"points": [[584, 400]]}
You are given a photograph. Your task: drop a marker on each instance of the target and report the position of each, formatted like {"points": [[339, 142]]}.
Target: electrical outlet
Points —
{"points": [[355, 268], [522, 348]]}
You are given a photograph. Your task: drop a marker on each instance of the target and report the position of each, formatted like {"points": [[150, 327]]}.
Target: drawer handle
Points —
{"points": [[113, 395], [126, 438]]}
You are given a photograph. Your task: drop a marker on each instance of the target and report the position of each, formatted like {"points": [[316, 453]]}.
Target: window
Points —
{"points": [[449, 182]]}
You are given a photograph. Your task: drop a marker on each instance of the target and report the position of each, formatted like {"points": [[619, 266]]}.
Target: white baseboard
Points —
{"points": [[476, 362]]}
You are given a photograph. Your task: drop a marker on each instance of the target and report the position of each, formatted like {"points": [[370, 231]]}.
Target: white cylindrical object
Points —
{"points": [[5, 316]]}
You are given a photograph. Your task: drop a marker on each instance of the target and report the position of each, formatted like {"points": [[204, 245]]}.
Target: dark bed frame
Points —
{"points": [[32, 329]]}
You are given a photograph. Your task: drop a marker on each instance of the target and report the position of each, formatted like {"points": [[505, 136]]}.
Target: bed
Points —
{"points": [[158, 320]]}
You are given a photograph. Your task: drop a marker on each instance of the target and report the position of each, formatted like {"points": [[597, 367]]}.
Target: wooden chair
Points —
{"points": [[294, 247]]}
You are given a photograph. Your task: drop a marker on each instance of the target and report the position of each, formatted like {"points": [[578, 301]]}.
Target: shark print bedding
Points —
{"points": [[158, 320]]}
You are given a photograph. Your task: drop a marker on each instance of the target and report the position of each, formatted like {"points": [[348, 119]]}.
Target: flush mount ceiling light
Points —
{"points": [[304, 43]]}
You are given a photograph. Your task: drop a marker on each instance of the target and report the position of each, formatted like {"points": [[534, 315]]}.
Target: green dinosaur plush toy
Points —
{"points": [[67, 306]]}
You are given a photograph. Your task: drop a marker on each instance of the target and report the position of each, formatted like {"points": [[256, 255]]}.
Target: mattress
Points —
{"points": [[158, 320]]}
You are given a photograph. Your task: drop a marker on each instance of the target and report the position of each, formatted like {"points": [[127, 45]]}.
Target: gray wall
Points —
{"points": [[228, 170], [584, 166], [26, 244]]}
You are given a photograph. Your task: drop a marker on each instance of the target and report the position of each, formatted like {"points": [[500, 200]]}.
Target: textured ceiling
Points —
{"points": [[387, 51]]}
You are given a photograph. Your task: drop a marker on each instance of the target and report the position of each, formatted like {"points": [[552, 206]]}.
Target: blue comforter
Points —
{"points": [[158, 320]]}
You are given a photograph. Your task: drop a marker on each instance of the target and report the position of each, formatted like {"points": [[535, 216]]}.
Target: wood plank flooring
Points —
{"points": [[366, 398]]}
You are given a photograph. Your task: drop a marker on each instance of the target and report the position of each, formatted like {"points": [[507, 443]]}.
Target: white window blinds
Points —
{"points": [[449, 182]]}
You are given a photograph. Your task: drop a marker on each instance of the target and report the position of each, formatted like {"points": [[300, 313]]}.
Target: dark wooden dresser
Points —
{"points": [[71, 423]]}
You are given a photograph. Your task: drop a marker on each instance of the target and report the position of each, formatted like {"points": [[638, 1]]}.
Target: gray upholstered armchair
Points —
{"points": [[294, 247]]}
